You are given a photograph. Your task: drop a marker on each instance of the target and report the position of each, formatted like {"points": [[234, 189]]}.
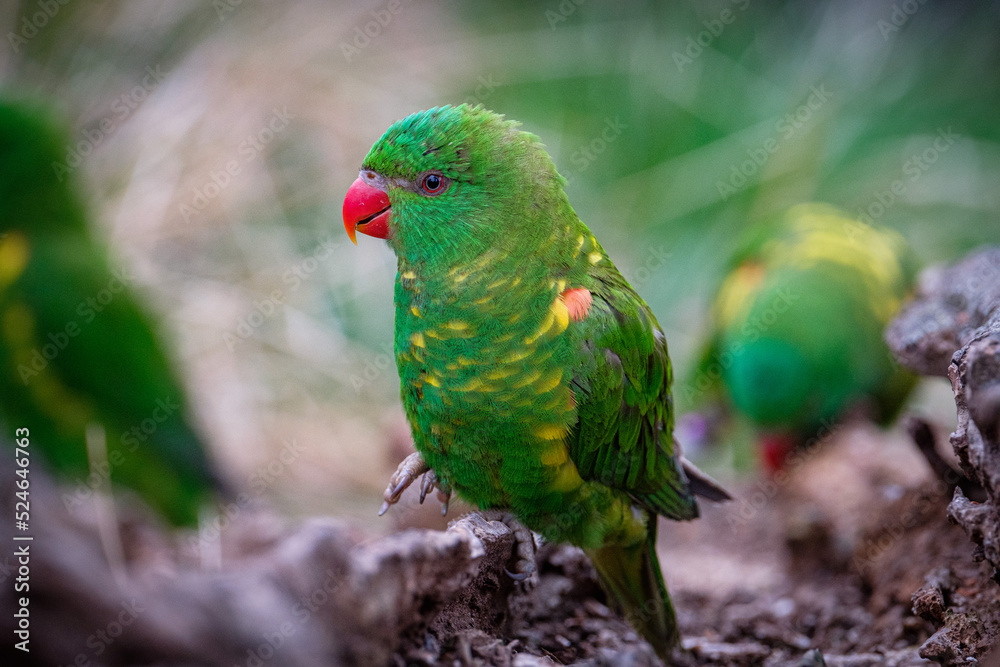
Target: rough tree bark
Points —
{"points": [[952, 328]]}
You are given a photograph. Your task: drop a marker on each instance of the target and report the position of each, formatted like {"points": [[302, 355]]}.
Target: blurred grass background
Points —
{"points": [[215, 142]]}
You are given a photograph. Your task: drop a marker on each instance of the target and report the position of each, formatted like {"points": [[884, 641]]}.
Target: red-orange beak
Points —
{"points": [[366, 210]]}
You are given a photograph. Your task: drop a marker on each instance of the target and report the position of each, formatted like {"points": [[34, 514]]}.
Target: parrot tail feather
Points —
{"points": [[632, 579], [703, 485]]}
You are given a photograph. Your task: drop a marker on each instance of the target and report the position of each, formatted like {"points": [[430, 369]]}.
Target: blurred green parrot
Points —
{"points": [[76, 348], [534, 378], [797, 328]]}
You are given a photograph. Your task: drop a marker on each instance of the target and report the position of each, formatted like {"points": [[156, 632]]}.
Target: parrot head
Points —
{"points": [[32, 171], [446, 183]]}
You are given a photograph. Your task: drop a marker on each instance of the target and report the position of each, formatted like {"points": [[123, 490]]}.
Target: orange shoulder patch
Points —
{"points": [[578, 301]]}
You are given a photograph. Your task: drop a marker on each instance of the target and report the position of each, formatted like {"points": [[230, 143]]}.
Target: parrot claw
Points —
{"points": [[427, 484], [431, 482], [524, 548], [407, 471]]}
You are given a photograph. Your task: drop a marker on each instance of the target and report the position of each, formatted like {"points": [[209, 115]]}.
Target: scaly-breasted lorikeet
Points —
{"points": [[797, 327], [75, 346], [533, 376]]}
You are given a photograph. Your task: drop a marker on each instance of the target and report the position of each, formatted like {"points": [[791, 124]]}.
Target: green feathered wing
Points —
{"points": [[623, 437], [624, 440]]}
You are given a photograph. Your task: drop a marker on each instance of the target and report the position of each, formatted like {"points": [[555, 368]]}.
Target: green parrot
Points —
{"points": [[76, 349], [797, 328], [534, 378]]}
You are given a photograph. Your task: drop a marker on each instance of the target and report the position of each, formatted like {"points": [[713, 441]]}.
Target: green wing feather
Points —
{"points": [[623, 437]]}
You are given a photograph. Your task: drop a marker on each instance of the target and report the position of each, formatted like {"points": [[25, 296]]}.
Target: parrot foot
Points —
{"points": [[406, 472], [524, 548]]}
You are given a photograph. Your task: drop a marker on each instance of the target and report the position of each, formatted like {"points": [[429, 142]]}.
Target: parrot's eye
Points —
{"points": [[432, 183]]}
